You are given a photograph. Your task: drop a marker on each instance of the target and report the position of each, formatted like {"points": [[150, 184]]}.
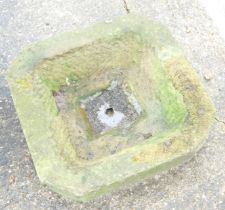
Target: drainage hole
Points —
{"points": [[109, 112]]}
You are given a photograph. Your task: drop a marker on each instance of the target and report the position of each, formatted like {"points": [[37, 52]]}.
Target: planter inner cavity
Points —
{"points": [[82, 103]]}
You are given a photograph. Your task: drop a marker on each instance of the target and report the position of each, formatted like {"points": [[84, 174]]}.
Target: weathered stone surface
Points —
{"points": [[177, 113]]}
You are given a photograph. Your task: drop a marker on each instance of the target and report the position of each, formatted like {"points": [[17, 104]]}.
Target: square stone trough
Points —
{"points": [[108, 105]]}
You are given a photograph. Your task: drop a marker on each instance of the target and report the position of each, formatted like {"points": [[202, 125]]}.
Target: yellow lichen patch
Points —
{"points": [[199, 105], [162, 152], [24, 83]]}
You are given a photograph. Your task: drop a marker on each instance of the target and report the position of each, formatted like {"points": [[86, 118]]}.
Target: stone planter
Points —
{"points": [[108, 105]]}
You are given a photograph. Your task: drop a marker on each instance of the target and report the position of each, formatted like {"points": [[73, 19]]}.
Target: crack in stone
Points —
{"points": [[125, 5], [221, 121]]}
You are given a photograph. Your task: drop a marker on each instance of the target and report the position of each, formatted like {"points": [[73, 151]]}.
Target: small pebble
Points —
{"points": [[12, 180], [208, 76]]}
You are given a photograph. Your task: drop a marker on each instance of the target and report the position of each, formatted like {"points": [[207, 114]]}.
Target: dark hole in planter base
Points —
{"points": [[109, 111]]}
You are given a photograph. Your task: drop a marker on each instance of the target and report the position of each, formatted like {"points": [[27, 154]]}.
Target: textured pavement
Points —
{"points": [[197, 184]]}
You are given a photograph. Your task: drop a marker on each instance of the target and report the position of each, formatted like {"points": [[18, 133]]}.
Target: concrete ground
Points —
{"points": [[198, 184]]}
